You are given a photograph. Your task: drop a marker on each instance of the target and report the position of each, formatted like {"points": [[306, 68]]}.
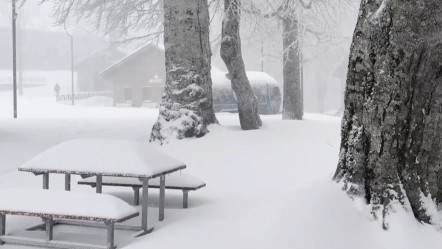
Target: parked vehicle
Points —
{"points": [[264, 86]]}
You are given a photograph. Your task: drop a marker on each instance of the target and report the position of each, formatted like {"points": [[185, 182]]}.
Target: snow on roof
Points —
{"points": [[69, 203], [99, 51], [105, 157], [130, 57], [219, 78]]}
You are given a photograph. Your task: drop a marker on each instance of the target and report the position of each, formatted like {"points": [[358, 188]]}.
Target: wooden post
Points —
{"points": [[162, 195], [144, 205], [136, 196], [49, 229], [46, 180], [99, 186], [110, 236], [185, 198], [67, 182]]}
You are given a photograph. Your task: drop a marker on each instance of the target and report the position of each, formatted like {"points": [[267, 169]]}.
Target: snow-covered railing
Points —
{"points": [[84, 95]]}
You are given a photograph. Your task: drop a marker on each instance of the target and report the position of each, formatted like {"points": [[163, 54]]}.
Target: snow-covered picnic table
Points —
{"points": [[106, 157]]}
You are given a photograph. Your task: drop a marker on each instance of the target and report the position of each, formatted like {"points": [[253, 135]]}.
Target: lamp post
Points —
{"points": [[72, 64], [14, 58], [262, 53]]}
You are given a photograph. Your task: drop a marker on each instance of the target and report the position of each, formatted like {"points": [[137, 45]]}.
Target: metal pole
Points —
{"points": [[14, 57], [20, 39], [2, 225], [185, 198], [99, 184], [49, 222], [72, 64], [136, 196], [46, 180], [262, 53], [162, 195], [67, 182], [144, 209], [72, 70], [110, 235]]}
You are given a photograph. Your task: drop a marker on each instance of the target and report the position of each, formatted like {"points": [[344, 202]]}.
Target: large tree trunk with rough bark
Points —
{"points": [[232, 57], [392, 130], [292, 91], [187, 105]]}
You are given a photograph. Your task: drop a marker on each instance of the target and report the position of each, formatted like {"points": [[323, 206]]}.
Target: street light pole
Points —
{"points": [[262, 52], [14, 57], [72, 64]]}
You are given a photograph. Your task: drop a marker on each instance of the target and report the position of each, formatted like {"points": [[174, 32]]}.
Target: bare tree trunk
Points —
{"points": [[232, 57], [391, 129], [187, 104], [292, 92]]}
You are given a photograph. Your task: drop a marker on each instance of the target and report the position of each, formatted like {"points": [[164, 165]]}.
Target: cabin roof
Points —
{"points": [[131, 57]]}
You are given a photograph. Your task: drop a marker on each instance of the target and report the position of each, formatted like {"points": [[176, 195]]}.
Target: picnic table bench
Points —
{"points": [[177, 181], [104, 158], [51, 205]]}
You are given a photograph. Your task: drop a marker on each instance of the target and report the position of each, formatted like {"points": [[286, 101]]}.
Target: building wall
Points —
{"points": [[135, 74]]}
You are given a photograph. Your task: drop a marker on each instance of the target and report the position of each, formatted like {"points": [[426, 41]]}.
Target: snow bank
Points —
{"points": [[266, 188]]}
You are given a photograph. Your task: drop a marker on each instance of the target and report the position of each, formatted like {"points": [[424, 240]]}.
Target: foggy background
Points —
{"points": [[44, 53]]}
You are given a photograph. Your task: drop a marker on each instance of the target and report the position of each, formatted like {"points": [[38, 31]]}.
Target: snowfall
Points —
{"points": [[267, 188]]}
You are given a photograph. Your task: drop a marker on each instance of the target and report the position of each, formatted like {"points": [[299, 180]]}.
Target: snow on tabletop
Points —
{"points": [[180, 180], [41, 201], [105, 157]]}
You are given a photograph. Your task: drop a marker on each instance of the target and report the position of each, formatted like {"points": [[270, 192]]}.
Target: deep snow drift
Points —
{"points": [[269, 188]]}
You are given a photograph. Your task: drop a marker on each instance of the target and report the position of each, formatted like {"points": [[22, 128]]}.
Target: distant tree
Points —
{"points": [[186, 108], [232, 57], [316, 19], [292, 101], [131, 20], [391, 130]]}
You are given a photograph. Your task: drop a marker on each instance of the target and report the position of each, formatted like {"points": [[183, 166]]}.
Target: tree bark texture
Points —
{"points": [[292, 91], [232, 57], [392, 125], [187, 104]]}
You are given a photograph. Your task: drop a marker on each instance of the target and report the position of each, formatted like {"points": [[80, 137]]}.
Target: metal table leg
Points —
{"points": [[45, 180], [49, 229], [136, 196], [185, 198], [162, 195], [99, 184], [110, 236], [2, 226], [67, 182], [144, 205], [144, 228]]}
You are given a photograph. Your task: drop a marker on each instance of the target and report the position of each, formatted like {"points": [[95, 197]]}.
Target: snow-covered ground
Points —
{"points": [[268, 188]]}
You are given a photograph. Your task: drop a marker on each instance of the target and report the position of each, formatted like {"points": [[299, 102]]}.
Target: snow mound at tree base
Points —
{"points": [[325, 217]]}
